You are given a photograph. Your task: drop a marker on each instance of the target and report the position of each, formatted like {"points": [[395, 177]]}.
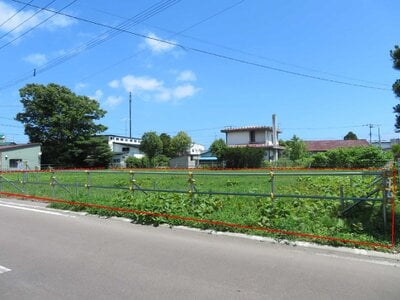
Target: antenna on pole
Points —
{"points": [[370, 132], [130, 115]]}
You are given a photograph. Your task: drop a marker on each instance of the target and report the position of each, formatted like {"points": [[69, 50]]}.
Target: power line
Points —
{"points": [[174, 34], [26, 20], [268, 58], [105, 36], [16, 13], [218, 55], [180, 33], [37, 25], [111, 33]]}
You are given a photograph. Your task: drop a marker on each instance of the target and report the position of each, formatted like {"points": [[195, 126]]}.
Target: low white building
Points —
{"points": [[265, 137], [190, 160], [122, 148], [14, 157]]}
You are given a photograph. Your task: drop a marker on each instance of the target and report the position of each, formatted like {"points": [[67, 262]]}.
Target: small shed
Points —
{"points": [[15, 157]]}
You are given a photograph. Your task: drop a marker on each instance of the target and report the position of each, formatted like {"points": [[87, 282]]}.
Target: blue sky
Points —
{"points": [[227, 63]]}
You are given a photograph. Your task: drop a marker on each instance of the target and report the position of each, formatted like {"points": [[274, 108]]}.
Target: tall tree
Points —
{"points": [[151, 145], [218, 148], [395, 54], [180, 143], [166, 141], [62, 122], [350, 136], [295, 149]]}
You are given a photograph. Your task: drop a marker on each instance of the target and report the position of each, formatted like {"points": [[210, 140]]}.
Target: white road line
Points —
{"points": [[371, 261], [36, 210], [4, 269]]}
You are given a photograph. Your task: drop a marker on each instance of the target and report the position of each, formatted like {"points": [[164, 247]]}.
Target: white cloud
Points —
{"points": [[152, 88], [113, 101], [184, 91], [97, 95], [132, 83], [186, 75], [114, 84], [80, 86], [36, 59], [31, 20], [157, 46]]}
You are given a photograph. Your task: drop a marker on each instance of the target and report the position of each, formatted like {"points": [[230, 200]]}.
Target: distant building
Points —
{"points": [[386, 145], [189, 160], [15, 157], [208, 159], [265, 137], [326, 145], [122, 148]]}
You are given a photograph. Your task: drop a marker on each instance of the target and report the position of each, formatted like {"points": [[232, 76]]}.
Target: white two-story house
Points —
{"points": [[265, 137], [122, 148]]}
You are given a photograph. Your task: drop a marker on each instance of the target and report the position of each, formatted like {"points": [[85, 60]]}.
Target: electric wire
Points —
{"points": [[37, 25], [180, 33], [111, 33], [16, 13], [103, 37], [219, 55], [174, 34], [26, 20]]}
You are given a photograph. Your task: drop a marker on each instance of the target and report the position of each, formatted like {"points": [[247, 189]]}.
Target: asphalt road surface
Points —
{"points": [[48, 254]]}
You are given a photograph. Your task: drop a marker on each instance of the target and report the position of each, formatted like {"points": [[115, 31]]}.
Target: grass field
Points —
{"points": [[241, 197]]}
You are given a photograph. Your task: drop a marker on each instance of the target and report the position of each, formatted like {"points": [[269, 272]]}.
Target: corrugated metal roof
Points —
{"points": [[325, 145], [20, 146]]}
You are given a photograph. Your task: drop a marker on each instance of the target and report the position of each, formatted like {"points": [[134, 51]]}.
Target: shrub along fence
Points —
{"points": [[338, 206]]}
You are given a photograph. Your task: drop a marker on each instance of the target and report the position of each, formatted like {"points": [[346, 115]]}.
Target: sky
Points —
{"points": [[323, 67]]}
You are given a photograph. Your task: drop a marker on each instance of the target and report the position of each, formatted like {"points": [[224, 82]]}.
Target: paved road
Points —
{"points": [[46, 254]]}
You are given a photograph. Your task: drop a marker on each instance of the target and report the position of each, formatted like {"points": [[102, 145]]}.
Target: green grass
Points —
{"points": [[311, 216]]}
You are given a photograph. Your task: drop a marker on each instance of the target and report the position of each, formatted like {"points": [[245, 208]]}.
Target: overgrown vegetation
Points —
{"points": [[313, 216], [354, 157]]}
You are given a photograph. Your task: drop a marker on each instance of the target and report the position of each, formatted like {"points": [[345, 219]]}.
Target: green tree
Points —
{"points": [[180, 144], [353, 157], [243, 157], [295, 149], [350, 136], [63, 122], [395, 54], [151, 145], [93, 152], [396, 151], [166, 141], [218, 149]]}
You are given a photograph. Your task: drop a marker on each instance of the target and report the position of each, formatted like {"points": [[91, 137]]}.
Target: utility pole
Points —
{"points": [[379, 136], [370, 132], [130, 115]]}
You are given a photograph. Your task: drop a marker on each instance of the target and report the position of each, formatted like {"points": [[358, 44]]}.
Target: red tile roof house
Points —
{"points": [[265, 137], [325, 145]]}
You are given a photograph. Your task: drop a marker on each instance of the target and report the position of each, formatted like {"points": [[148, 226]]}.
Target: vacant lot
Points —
{"points": [[261, 198]]}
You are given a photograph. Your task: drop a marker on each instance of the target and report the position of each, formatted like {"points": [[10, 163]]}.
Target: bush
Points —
{"points": [[354, 157], [134, 162], [245, 157], [161, 161]]}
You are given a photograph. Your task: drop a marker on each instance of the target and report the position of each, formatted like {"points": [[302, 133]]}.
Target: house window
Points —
{"points": [[125, 149], [252, 136], [16, 163]]}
